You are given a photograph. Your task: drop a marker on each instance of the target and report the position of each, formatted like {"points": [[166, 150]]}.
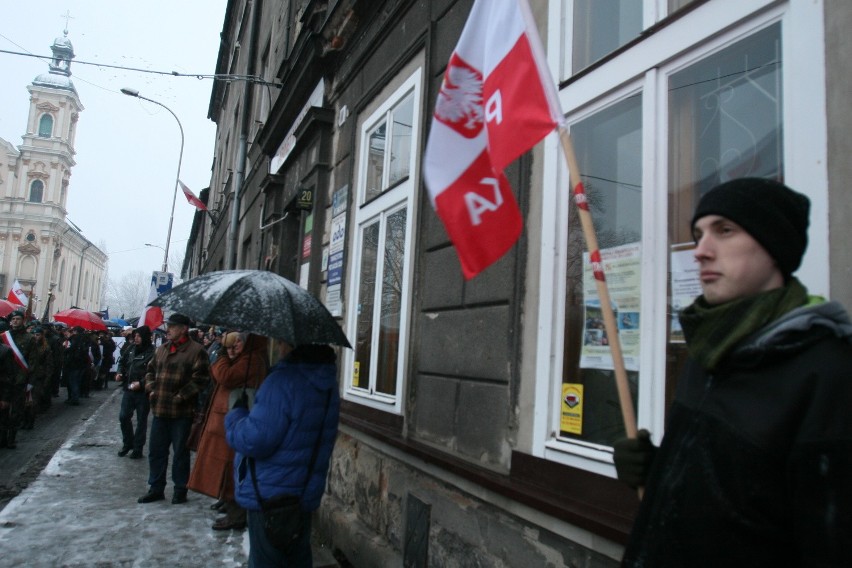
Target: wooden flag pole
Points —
{"points": [[628, 414]]}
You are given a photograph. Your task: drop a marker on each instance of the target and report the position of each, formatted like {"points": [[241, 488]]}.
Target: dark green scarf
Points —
{"points": [[711, 331]]}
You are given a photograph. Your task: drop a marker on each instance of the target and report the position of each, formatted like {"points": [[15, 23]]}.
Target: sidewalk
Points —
{"points": [[82, 511]]}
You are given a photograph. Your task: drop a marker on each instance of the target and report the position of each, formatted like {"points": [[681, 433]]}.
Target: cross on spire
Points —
{"points": [[67, 15]]}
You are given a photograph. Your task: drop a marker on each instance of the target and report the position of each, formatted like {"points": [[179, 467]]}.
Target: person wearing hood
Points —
{"points": [[755, 467], [132, 367], [283, 447]]}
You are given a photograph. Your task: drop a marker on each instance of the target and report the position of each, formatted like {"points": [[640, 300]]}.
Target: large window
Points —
{"points": [[609, 153], [45, 126], [383, 221], [36, 191], [705, 99]]}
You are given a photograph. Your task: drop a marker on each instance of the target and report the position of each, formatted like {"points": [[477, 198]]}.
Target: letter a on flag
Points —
{"points": [[191, 197], [497, 100]]}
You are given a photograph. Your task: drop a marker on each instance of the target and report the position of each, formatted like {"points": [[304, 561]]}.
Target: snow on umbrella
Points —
{"points": [[83, 318], [255, 301]]}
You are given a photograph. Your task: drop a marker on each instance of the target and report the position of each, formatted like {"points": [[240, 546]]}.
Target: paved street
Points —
{"points": [[81, 509]]}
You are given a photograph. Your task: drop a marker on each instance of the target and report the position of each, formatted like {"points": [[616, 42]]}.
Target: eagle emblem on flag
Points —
{"points": [[459, 103]]}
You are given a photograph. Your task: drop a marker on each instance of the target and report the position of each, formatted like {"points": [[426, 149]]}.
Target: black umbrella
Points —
{"points": [[255, 301]]}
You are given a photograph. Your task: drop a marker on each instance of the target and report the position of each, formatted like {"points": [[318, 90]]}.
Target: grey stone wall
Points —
{"points": [[365, 514]]}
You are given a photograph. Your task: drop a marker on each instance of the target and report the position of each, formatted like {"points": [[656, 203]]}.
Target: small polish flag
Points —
{"points": [[17, 295], [191, 197]]}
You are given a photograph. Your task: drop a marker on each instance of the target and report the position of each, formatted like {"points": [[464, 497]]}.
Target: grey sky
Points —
{"points": [[121, 189]]}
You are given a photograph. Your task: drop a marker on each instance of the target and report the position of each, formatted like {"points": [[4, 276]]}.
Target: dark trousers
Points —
{"points": [[166, 433], [262, 554], [74, 379], [134, 402]]}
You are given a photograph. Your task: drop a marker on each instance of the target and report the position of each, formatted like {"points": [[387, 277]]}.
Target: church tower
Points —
{"points": [[38, 247]]}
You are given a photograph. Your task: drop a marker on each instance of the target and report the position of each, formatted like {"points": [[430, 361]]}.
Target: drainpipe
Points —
{"points": [[242, 145]]}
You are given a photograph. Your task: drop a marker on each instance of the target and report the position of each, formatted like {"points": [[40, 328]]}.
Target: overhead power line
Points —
{"points": [[218, 77]]}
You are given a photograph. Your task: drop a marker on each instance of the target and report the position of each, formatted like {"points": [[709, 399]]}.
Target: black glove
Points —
{"points": [[633, 457], [241, 402]]}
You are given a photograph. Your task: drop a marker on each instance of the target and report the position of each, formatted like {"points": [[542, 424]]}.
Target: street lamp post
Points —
{"points": [[135, 93]]}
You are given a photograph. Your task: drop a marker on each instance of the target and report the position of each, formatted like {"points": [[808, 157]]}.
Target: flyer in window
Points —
{"points": [[686, 285], [622, 267]]}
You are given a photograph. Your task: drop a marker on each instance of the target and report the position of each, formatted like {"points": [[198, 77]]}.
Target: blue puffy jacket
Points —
{"points": [[280, 433]]}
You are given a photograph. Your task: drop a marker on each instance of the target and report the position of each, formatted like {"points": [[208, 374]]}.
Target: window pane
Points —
{"points": [[724, 123], [403, 117], [366, 302], [602, 26], [389, 318], [375, 162], [45, 126], [609, 154], [675, 5], [36, 191]]}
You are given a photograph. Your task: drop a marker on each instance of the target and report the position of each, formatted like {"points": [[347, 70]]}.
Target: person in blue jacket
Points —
{"points": [[293, 420]]}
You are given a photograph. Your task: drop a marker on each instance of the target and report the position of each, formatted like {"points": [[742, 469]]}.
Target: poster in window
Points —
{"points": [[572, 409], [685, 285], [622, 268]]}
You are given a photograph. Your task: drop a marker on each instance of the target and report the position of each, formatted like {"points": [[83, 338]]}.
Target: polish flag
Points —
{"points": [[192, 198], [497, 100], [152, 316], [17, 295]]}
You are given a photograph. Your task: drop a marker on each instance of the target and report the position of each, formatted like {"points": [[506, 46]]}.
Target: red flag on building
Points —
{"points": [[496, 102], [192, 198], [17, 295]]}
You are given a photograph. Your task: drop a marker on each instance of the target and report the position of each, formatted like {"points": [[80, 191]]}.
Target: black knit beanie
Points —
{"points": [[772, 213]]}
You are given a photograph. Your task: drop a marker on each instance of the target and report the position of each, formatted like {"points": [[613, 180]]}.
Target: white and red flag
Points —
{"points": [[192, 198], [17, 295], [496, 102], [152, 316]]}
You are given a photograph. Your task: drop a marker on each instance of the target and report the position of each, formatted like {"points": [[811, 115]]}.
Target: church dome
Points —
{"points": [[59, 76]]}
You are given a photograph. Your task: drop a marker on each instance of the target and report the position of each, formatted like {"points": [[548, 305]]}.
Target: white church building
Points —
{"points": [[54, 263]]}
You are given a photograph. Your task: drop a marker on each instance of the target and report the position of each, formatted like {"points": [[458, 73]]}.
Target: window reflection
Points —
{"points": [[366, 303], [609, 153], [601, 27], [389, 319], [375, 161], [400, 158]]}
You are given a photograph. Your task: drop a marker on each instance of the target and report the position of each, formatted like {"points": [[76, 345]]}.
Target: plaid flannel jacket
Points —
{"points": [[176, 378]]}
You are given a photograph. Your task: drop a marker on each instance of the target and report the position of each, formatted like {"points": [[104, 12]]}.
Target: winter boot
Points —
{"points": [[10, 439]]}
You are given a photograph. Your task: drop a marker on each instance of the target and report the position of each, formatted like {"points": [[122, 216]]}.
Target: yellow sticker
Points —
{"points": [[572, 408], [356, 374]]}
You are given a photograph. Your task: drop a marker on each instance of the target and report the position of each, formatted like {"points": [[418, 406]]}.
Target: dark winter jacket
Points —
{"points": [[133, 365], [77, 354], [280, 432], [755, 468]]}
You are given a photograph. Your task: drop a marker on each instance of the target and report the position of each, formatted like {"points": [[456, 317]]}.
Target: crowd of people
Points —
{"points": [[37, 359], [199, 385], [257, 431]]}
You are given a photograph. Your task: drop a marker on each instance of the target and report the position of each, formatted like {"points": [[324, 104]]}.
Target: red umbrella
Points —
{"points": [[7, 307], [83, 318]]}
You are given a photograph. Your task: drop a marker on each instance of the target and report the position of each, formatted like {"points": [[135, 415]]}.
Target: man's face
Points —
{"points": [[16, 322], [174, 331], [732, 264]]}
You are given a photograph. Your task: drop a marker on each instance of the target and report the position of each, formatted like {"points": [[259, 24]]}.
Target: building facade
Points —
{"points": [[478, 416], [54, 263]]}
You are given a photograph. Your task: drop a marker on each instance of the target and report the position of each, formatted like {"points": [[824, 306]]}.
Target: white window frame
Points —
{"points": [[402, 195], [705, 30]]}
